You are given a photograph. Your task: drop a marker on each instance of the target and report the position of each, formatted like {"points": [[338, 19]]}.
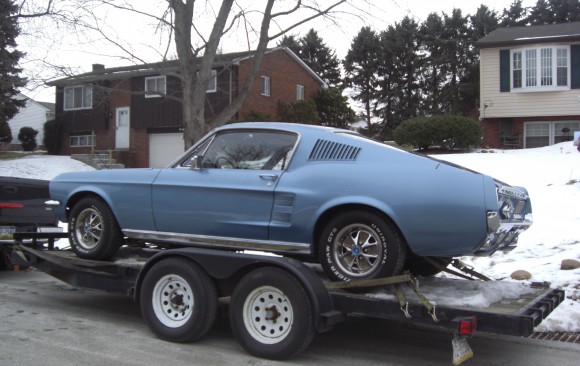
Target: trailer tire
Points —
{"points": [[93, 230], [271, 314], [178, 300]]}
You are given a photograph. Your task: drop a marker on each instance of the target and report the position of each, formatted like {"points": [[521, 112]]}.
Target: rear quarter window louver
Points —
{"points": [[329, 150]]}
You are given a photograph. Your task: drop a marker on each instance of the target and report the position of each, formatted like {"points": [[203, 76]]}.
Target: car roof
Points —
{"points": [[295, 127]]}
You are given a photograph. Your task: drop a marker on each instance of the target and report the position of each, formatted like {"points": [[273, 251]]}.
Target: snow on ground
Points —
{"points": [[551, 175]]}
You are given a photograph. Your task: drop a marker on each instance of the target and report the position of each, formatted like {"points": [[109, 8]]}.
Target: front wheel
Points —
{"points": [[271, 314], [360, 245], [178, 300], [93, 230]]}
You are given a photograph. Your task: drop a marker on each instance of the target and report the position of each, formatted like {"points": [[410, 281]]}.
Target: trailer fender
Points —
{"points": [[231, 266]]}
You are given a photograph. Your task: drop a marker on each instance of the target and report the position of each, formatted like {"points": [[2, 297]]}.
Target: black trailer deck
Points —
{"points": [[515, 315]]}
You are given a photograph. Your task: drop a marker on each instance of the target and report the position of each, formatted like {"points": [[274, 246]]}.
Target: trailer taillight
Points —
{"points": [[11, 205], [466, 326]]}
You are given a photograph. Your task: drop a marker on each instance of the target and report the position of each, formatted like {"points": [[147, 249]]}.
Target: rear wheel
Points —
{"points": [[178, 300], [93, 230], [360, 245], [271, 314]]}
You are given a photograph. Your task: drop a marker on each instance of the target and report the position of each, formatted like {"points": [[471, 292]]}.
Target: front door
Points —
{"points": [[232, 193], [122, 128]]}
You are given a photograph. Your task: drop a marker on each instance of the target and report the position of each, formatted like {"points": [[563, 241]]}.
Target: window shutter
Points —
{"points": [[575, 66], [504, 70]]}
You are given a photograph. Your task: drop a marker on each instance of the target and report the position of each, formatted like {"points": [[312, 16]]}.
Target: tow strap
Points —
{"points": [[461, 266]]}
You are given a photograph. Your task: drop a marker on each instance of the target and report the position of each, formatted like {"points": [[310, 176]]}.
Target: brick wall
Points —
{"points": [[285, 73]]}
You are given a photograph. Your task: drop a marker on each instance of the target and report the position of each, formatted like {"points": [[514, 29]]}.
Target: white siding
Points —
{"points": [[32, 115], [520, 104]]}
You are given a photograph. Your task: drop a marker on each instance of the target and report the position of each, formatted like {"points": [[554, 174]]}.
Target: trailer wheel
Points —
{"points": [[360, 245], [271, 314], [178, 300], [93, 230]]}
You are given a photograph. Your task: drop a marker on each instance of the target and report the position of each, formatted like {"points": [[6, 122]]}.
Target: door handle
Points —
{"points": [[271, 177]]}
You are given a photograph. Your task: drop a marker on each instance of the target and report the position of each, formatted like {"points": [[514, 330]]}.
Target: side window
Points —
{"points": [[258, 150]]}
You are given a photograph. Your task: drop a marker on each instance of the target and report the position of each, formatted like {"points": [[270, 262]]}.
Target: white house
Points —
{"points": [[34, 114], [530, 85]]}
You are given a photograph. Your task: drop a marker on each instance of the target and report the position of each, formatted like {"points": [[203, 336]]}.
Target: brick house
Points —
{"points": [[530, 85], [119, 109]]}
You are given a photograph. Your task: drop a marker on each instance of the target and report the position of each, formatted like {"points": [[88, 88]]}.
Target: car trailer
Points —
{"points": [[276, 304]]}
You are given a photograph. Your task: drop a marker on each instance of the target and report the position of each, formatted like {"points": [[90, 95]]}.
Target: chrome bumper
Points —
{"points": [[502, 235]]}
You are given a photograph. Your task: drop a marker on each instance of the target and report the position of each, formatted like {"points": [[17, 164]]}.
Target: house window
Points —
{"points": [[212, 86], [517, 69], [155, 86], [562, 67], [299, 92], [538, 134], [81, 141], [266, 86], [540, 69], [78, 97]]}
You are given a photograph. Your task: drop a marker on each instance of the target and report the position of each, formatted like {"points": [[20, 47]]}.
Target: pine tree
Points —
{"points": [[399, 66], [290, 42], [9, 58], [360, 65], [514, 16], [317, 55]]}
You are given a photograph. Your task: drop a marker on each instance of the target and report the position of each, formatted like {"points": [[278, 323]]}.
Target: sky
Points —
{"points": [[550, 174], [71, 50]]}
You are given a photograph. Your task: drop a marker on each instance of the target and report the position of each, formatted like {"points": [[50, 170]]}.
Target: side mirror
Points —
{"points": [[195, 162]]}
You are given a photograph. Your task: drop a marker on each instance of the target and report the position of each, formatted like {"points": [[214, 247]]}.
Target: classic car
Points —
{"points": [[23, 211], [23, 208], [360, 208]]}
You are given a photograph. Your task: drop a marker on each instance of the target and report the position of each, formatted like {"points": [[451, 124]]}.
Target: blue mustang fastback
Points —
{"points": [[360, 208]]}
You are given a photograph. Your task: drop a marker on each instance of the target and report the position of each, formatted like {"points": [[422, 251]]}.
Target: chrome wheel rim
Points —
{"points": [[358, 250], [172, 301], [268, 315], [89, 228]]}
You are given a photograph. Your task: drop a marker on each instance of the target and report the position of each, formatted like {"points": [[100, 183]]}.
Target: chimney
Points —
{"points": [[98, 67]]}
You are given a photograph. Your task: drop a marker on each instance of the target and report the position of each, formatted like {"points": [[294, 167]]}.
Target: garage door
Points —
{"points": [[164, 148]]}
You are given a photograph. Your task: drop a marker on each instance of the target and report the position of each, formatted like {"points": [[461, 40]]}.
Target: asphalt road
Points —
{"points": [[46, 322]]}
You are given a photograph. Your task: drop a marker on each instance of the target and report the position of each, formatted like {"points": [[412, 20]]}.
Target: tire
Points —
{"points": [[178, 300], [271, 314], [93, 230], [360, 245], [419, 266]]}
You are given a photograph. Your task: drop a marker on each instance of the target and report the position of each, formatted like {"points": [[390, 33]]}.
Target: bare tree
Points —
{"points": [[178, 23], [195, 72]]}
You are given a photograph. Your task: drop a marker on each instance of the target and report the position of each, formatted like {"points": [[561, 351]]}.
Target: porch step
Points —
{"points": [[98, 161]]}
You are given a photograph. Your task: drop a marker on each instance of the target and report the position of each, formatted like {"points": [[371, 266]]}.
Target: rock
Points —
{"points": [[568, 264], [521, 275]]}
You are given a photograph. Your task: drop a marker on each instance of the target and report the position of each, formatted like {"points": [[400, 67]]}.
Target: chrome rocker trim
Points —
{"points": [[219, 241]]}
